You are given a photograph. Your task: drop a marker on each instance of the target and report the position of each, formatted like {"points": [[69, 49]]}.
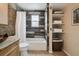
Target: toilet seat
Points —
{"points": [[23, 45]]}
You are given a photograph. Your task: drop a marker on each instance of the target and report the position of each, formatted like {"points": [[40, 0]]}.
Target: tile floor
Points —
{"points": [[59, 53], [43, 53]]}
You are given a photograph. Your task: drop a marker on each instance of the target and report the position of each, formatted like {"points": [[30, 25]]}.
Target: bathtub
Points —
{"points": [[37, 44]]}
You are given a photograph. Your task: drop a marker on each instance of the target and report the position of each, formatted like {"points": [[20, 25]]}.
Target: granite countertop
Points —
{"points": [[8, 41]]}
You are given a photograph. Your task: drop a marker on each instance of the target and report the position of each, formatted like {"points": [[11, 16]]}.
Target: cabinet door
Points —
{"points": [[14, 51], [4, 13], [11, 50]]}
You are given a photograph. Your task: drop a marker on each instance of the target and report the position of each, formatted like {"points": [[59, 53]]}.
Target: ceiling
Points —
{"points": [[59, 5], [40, 6], [32, 6]]}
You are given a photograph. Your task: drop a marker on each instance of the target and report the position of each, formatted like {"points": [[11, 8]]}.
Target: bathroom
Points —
{"points": [[39, 29], [29, 24], [32, 36]]}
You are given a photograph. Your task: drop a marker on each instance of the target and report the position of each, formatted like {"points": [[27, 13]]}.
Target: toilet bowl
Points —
{"points": [[23, 46]]}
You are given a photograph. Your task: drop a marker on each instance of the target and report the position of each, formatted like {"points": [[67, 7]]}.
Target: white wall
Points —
{"points": [[32, 6], [71, 33], [21, 25]]}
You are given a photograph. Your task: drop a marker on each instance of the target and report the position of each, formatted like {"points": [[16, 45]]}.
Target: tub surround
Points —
{"points": [[35, 31], [10, 46]]}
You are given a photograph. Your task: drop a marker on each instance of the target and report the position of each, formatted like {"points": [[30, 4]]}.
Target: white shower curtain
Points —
{"points": [[21, 25]]}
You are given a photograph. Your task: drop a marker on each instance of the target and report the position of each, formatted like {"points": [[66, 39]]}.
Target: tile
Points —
{"points": [[43, 53]]}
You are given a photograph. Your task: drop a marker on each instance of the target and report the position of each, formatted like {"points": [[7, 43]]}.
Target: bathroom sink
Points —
{"points": [[3, 37]]}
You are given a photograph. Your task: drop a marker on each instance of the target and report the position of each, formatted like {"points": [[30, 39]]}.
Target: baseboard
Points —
{"points": [[66, 52], [50, 52], [36, 50]]}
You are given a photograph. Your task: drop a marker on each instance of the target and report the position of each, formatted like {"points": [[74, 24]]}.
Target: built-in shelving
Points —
{"points": [[57, 31]]}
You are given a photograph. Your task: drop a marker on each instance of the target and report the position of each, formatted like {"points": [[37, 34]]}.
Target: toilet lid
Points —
{"points": [[23, 44]]}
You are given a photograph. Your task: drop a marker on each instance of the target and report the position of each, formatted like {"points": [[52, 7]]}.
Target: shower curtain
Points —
{"points": [[21, 25]]}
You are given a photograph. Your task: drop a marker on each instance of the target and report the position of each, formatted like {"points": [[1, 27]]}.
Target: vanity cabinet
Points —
{"points": [[11, 50]]}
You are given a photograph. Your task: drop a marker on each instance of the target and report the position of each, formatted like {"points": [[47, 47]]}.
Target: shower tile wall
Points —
{"points": [[36, 31]]}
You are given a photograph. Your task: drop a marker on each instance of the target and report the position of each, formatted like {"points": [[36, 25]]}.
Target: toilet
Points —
{"points": [[23, 48]]}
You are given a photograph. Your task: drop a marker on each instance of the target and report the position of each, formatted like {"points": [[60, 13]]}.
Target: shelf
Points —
{"points": [[57, 15], [57, 24], [58, 12], [59, 32], [57, 40]]}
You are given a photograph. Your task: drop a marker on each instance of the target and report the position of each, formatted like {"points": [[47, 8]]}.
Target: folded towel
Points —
{"points": [[57, 30], [57, 22]]}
